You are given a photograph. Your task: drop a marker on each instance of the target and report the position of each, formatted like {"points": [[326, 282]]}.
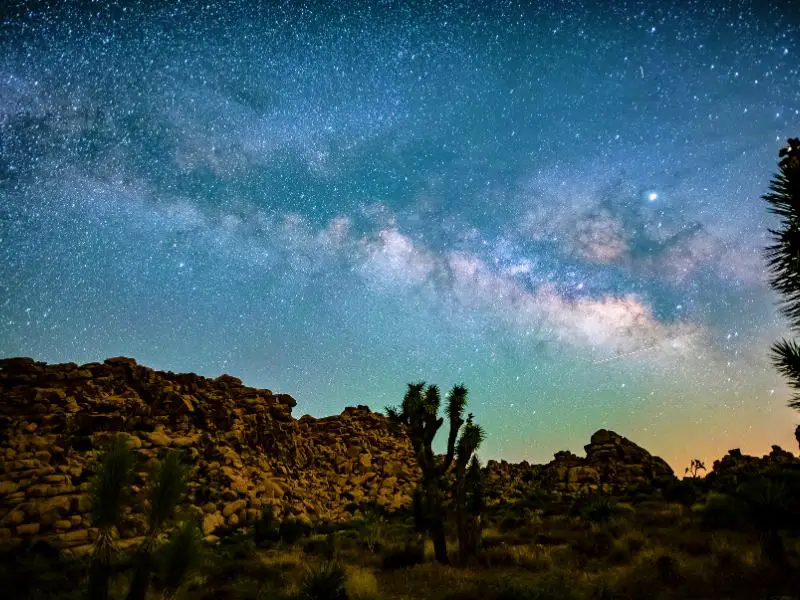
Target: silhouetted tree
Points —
{"points": [[420, 413], [694, 466], [784, 259]]}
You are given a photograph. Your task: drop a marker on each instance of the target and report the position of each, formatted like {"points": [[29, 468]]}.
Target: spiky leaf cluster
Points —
{"points": [[784, 259], [109, 487]]}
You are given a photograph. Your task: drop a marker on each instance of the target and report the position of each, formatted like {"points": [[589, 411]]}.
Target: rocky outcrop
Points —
{"points": [[735, 468], [612, 464], [245, 447]]}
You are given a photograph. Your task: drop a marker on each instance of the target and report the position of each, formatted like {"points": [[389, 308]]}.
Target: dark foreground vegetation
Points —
{"points": [[683, 542]]}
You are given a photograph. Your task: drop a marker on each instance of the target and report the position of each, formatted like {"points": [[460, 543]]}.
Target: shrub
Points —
{"points": [[594, 544], [266, 529], [325, 581], [361, 584], [372, 530], [554, 586], [598, 509], [685, 491], [408, 555], [667, 568], [723, 512], [510, 523], [291, 529], [534, 558], [723, 554]]}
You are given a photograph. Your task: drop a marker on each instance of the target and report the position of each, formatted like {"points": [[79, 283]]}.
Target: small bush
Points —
{"points": [[408, 555], [598, 509], [325, 581], [685, 491], [667, 568], [723, 553], [531, 558], [266, 529], [361, 584], [372, 530], [291, 530], [554, 586], [594, 544], [723, 512]]}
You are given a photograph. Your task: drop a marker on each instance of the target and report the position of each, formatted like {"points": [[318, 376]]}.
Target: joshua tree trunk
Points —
{"points": [[462, 518], [141, 574], [436, 523], [100, 569]]}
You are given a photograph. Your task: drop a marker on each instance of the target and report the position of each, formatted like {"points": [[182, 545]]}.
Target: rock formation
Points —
{"points": [[612, 464], [246, 449], [244, 445], [735, 468]]}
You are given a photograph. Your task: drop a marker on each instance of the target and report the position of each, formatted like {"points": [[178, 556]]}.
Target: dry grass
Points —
{"points": [[361, 584]]}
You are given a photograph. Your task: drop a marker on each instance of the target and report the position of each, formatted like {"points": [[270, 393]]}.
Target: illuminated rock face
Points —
{"points": [[245, 447], [612, 464]]}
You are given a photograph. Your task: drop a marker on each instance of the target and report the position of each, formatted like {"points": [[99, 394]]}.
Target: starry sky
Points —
{"points": [[557, 206]]}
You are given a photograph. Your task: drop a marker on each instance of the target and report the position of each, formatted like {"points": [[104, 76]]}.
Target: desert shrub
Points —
{"points": [[361, 584], [511, 523], [372, 530], [266, 529], [408, 555], [593, 544], [685, 492], [324, 581], [32, 572], [721, 511], [695, 543], [291, 530], [597, 509], [723, 554], [324, 546], [534, 558], [620, 552], [553, 586], [668, 569]]}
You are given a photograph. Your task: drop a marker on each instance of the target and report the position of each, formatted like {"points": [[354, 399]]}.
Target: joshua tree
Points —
{"points": [[784, 259], [108, 494], [694, 467], [167, 487], [420, 412]]}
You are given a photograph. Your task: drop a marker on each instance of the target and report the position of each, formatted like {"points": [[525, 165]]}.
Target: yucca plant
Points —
{"points": [[108, 491], [784, 259], [325, 581], [179, 557], [167, 487]]}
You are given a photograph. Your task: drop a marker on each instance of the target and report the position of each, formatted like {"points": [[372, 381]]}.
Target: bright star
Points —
{"points": [[652, 196]]}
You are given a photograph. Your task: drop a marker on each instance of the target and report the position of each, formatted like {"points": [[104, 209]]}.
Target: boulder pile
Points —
{"points": [[246, 449], [248, 453], [613, 464]]}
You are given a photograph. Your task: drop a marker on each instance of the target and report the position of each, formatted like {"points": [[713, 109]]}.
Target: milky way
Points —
{"points": [[559, 207]]}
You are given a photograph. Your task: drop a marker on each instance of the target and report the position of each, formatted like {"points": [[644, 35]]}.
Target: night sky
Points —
{"points": [[559, 207]]}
